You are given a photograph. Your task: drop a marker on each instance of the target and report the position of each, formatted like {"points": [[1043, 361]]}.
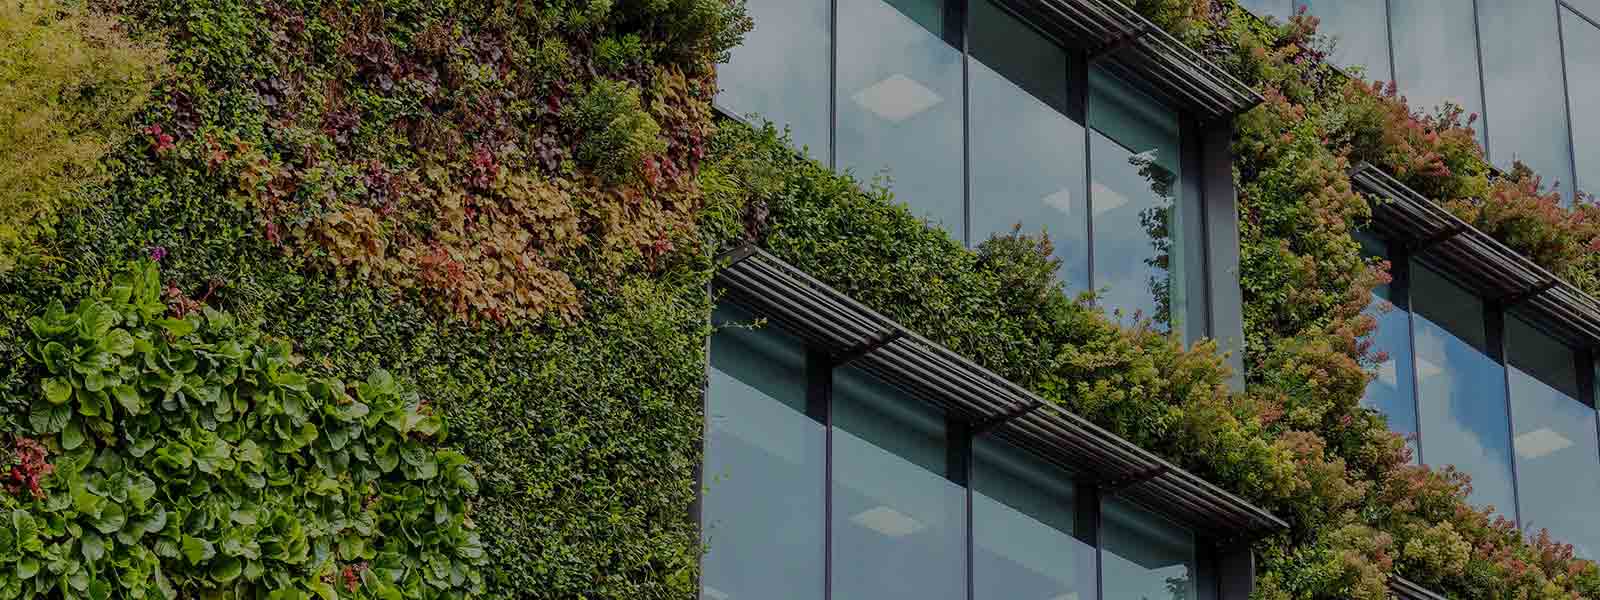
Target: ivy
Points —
{"points": [[192, 457]]}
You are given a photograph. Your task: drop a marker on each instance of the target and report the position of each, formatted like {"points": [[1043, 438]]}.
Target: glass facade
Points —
{"points": [[1558, 459], [1392, 391], [826, 482], [1525, 65], [981, 123]]}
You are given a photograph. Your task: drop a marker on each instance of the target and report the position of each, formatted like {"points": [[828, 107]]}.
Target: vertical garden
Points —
{"points": [[407, 299]]}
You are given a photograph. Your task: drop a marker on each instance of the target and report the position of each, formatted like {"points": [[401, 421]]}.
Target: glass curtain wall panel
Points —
{"points": [[1588, 8], [1583, 87], [780, 72], [1134, 150], [900, 103], [1461, 389], [1145, 556], [1360, 31], [899, 519], [1027, 153], [1524, 92], [1024, 529], [1392, 391], [1436, 55], [1558, 459], [764, 469]]}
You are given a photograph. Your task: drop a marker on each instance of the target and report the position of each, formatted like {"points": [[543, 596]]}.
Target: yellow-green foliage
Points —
{"points": [[68, 82]]}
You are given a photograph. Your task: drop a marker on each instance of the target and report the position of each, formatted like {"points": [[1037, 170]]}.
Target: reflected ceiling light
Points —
{"points": [[887, 521], [1388, 374], [1541, 442], [1105, 199], [1061, 200], [1426, 369], [715, 594], [897, 98]]}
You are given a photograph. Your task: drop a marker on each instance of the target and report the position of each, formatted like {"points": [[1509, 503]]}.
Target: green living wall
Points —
{"points": [[408, 299]]}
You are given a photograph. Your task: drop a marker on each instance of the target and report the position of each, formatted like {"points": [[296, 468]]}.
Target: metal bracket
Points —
{"points": [[734, 255], [1423, 245], [1116, 485], [989, 424], [1511, 300], [1120, 43], [870, 346]]}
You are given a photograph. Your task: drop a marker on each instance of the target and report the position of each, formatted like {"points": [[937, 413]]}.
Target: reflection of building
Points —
{"points": [[845, 461], [1493, 367]]}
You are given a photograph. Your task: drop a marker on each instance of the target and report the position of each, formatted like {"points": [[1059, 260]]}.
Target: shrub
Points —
{"points": [[69, 81]]}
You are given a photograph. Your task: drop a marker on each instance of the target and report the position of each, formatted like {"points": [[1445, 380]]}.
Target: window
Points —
{"points": [[1583, 60], [1588, 8], [1135, 165], [900, 102], [1146, 556], [1027, 542], [1558, 459], [1523, 95], [1436, 55], [781, 71], [899, 517], [1360, 29], [764, 469], [1392, 391], [1461, 389], [1027, 150]]}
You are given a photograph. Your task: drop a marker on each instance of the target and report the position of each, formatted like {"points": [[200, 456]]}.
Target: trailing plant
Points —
{"points": [[189, 456]]}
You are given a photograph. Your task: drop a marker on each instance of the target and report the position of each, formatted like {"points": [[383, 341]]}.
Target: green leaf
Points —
{"points": [[93, 546], [197, 550], [118, 342], [27, 567], [177, 328], [95, 320], [56, 358], [129, 399], [47, 418], [57, 390], [71, 436], [112, 518], [226, 570]]}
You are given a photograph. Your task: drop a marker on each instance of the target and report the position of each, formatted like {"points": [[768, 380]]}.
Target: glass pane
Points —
{"points": [[1523, 87], [780, 72], [1027, 155], [1587, 8], [1461, 389], [764, 469], [1269, 8], [1360, 30], [1583, 60], [898, 522], [1558, 459], [1134, 154], [900, 104], [1146, 557], [1023, 528], [1391, 392], [1436, 55]]}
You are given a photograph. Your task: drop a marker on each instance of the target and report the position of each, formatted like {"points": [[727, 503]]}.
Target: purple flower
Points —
{"points": [[157, 253]]}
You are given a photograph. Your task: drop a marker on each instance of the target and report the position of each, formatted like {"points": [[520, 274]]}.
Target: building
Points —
{"points": [[1493, 358], [879, 465]]}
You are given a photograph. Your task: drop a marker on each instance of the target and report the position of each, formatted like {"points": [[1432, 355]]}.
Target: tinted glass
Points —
{"points": [[900, 103], [1027, 155], [1583, 62], [1360, 31], [898, 521], [764, 472], [1023, 529], [1461, 389], [780, 72], [1134, 154], [1558, 460], [1436, 54], [1523, 92], [1588, 8], [1391, 392], [1146, 557]]}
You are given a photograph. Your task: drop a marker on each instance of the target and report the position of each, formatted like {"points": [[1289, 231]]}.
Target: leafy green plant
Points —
{"points": [[193, 458]]}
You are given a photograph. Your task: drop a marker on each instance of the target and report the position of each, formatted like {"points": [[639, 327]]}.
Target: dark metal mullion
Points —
{"points": [[819, 405], [833, 84], [1494, 328], [1483, 92], [1388, 34], [1091, 518], [1079, 79], [1566, 101], [966, 128], [1400, 289]]}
